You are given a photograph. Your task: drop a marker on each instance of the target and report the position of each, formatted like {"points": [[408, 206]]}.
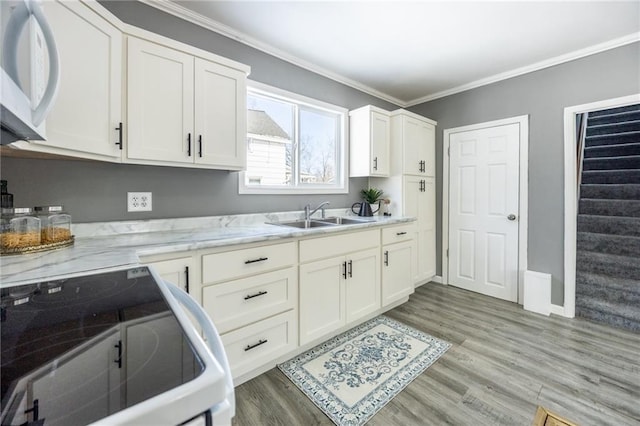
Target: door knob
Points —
{"points": [[511, 217]]}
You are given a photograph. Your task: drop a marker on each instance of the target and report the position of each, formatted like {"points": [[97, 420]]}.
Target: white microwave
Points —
{"points": [[30, 71]]}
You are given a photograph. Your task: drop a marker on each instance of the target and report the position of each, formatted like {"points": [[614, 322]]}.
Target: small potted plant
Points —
{"points": [[370, 196]]}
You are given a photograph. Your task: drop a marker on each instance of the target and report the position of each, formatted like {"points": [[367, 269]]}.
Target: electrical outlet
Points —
{"points": [[138, 201]]}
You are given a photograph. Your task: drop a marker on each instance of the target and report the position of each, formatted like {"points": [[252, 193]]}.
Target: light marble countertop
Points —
{"points": [[101, 247]]}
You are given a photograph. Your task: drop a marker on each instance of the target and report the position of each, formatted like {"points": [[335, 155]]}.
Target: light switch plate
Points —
{"points": [[139, 202]]}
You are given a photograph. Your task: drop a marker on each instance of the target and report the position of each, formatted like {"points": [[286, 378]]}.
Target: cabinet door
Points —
{"points": [[321, 298], [159, 103], [175, 271], [418, 147], [428, 230], [417, 203], [380, 140], [220, 115], [413, 150], [429, 145], [88, 106], [398, 265], [362, 285]]}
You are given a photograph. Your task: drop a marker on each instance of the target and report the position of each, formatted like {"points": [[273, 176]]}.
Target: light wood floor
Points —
{"points": [[504, 362]]}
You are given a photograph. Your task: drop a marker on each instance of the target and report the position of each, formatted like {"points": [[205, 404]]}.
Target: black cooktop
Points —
{"points": [[77, 350]]}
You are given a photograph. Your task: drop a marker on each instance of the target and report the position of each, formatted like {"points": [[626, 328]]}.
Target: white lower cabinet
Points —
{"points": [[251, 294], [257, 344], [399, 258], [341, 289], [267, 300]]}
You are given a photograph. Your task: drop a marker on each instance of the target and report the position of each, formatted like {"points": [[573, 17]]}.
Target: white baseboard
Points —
{"points": [[437, 279], [559, 310]]}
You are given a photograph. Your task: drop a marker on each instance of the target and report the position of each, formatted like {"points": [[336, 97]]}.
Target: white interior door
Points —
{"points": [[483, 210]]}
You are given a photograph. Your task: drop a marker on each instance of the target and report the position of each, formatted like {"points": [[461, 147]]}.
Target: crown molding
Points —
{"points": [[217, 27], [571, 56]]}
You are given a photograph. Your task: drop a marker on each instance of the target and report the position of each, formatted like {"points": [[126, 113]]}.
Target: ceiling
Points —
{"points": [[409, 52]]}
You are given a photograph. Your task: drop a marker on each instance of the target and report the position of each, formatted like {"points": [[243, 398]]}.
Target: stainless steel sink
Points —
{"points": [[303, 224], [344, 220], [318, 223]]}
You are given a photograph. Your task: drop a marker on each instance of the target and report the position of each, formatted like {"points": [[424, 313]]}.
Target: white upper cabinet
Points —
{"points": [[369, 139], [183, 109], [413, 139], [159, 103], [220, 115], [87, 111]]}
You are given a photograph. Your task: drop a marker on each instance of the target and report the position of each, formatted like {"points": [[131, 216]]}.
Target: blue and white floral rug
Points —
{"points": [[352, 376]]}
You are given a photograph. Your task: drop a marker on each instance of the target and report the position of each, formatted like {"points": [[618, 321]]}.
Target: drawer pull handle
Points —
{"points": [[351, 269], [401, 233], [386, 258], [255, 345], [251, 296], [262, 259]]}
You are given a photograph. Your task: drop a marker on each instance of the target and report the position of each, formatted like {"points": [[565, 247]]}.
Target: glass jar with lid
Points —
{"points": [[55, 223], [20, 229]]}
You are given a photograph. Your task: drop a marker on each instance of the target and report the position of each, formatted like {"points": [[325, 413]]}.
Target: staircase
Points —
{"points": [[608, 245]]}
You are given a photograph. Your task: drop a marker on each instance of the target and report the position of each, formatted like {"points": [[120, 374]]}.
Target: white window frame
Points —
{"points": [[342, 186]]}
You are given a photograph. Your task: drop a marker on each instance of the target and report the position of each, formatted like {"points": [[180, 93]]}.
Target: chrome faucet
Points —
{"points": [[308, 212]]}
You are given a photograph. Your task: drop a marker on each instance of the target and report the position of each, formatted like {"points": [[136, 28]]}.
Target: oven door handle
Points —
{"points": [[212, 338]]}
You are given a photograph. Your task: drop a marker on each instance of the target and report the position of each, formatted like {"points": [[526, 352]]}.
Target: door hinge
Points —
{"points": [[448, 150], [447, 252]]}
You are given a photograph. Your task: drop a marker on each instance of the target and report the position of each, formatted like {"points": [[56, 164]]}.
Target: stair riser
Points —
{"points": [[612, 139], [627, 267], [610, 207], [614, 118], [607, 318], [609, 177], [617, 192], [611, 244], [613, 225], [617, 110], [612, 163], [612, 151], [608, 129]]}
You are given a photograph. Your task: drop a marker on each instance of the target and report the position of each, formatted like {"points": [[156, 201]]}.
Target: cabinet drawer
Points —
{"points": [[396, 234], [321, 248], [237, 303], [255, 345], [234, 264]]}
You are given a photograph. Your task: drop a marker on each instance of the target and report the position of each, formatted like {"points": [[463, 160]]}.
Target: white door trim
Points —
{"points": [[570, 192], [523, 121]]}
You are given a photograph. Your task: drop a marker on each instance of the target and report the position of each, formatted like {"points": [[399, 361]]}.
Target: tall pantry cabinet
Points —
{"points": [[411, 184]]}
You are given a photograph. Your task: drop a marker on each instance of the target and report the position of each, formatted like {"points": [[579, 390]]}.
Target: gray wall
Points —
{"points": [[94, 191], [542, 95]]}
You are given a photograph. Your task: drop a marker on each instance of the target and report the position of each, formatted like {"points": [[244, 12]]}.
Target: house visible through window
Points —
{"points": [[294, 144]]}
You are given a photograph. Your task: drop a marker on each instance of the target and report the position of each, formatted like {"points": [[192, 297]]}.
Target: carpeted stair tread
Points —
{"points": [[600, 207], [616, 110], [611, 128], [612, 139], [623, 245], [611, 176], [598, 311], [619, 290], [628, 162], [625, 191], [609, 225], [615, 150], [614, 117], [612, 265]]}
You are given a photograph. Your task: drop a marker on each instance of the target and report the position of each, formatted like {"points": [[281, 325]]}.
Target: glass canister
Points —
{"points": [[20, 229], [55, 223]]}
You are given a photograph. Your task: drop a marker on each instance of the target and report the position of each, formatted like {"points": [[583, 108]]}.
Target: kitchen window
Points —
{"points": [[295, 144]]}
